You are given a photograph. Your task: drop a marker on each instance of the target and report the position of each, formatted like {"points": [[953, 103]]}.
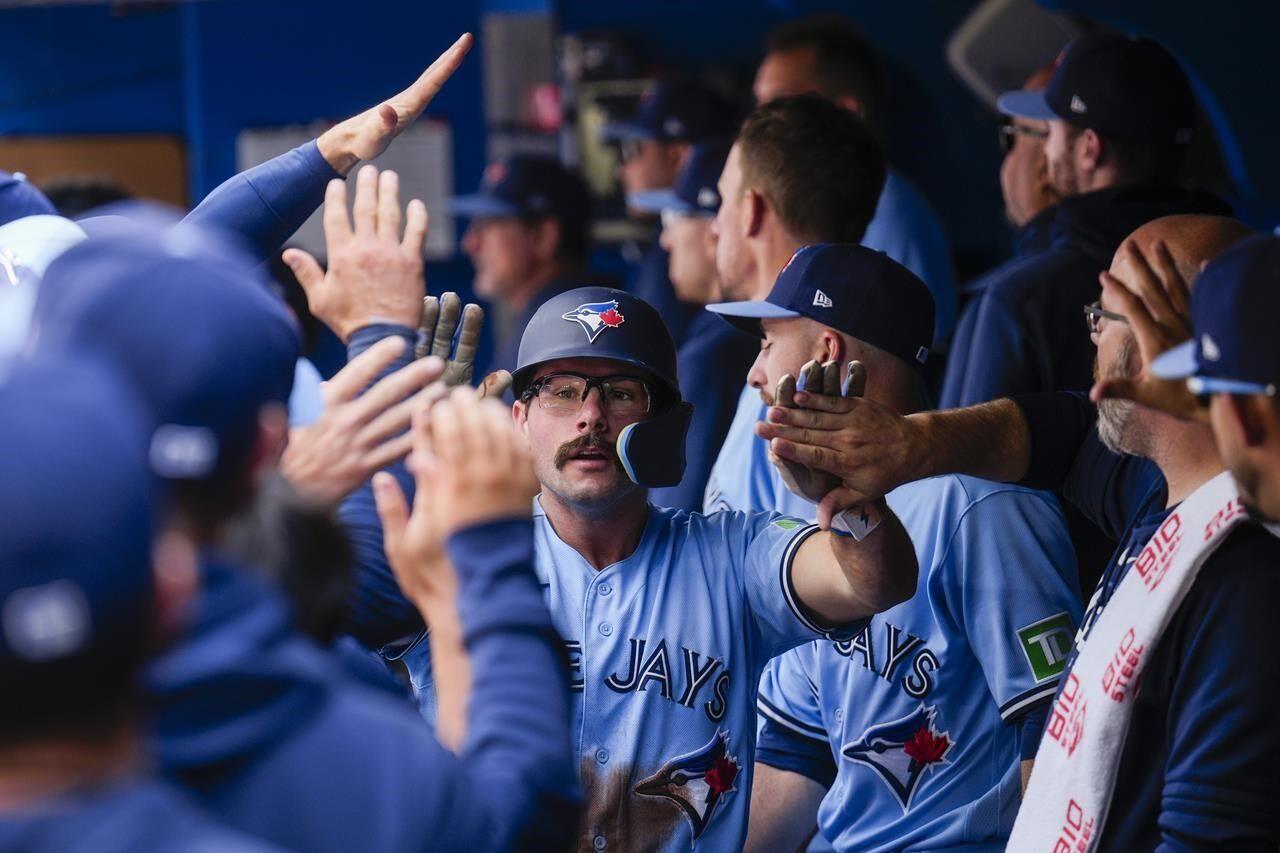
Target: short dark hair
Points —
{"points": [[1139, 162], [575, 238], [844, 61], [819, 166]]}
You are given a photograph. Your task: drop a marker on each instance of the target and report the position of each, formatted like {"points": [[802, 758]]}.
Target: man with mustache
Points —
{"points": [[668, 617], [1197, 702]]}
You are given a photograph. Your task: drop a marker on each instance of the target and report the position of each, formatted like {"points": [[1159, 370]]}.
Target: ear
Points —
{"points": [[1248, 413], [1089, 150], [520, 417], [177, 582], [546, 238], [754, 208], [830, 346], [273, 435]]}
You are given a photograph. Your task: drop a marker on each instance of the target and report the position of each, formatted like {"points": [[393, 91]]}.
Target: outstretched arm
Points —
{"points": [[269, 202]]}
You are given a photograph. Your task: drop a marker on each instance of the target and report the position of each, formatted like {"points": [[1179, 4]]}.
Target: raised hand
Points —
{"points": [[440, 317], [865, 444], [365, 136], [1157, 304], [358, 433], [374, 274]]}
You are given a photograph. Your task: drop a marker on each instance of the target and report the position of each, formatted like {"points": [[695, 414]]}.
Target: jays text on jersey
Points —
{"points": [[666, 649]]}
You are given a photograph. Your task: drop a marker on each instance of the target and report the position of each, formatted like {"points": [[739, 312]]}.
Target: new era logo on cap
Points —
{"points": [[821, 300], [708, 197], [1209, 348], [1077, 105]]}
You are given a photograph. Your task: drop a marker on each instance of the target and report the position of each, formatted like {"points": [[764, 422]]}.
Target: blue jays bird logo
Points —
{"points": [[901, 751], [696, 782], [595, 317]]}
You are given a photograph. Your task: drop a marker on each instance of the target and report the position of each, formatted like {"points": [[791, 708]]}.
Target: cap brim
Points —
{"points": [[747, 315], [1025, 103], [626, 130], [1177, 363], [36, 241], [480, 205], [656, 201]]}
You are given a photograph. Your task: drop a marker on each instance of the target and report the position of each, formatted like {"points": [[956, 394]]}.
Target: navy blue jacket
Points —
{"points": [[1029, 333], [714, 354], [1201, 762], [125, 816], [277, 739]]}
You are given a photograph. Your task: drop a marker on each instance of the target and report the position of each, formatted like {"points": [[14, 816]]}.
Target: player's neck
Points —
{"points": [[1187, 456], [776, 250], [49, 767], [602, 538]]}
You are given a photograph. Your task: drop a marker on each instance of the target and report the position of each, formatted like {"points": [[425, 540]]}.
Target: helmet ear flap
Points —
{"points": [[652, 450]]}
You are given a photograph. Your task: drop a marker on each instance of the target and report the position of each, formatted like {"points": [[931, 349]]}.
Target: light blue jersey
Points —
{"points": [[917, 708], [734, 484], [666, 649]]}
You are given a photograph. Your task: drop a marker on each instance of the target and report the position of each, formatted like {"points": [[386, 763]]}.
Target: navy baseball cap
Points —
{"points": [[676, 111], [191, 321], [77, 498], [1119, 85], [527, 185], [855, 290], [18, 198], [695, 192], [1235, 349]]}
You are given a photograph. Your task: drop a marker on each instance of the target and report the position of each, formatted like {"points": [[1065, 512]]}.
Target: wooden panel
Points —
{"points": [[147, 166]]}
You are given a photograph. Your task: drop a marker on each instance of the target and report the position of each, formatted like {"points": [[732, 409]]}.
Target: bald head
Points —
{"points": [[1191, 239]]}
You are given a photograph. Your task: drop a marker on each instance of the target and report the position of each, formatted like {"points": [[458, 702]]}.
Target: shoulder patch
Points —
{"points": [[1046, 645], [788, 523]]}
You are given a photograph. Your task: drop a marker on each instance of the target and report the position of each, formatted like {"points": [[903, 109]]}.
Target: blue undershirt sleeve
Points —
{"points": [[266, 204], [787, 749]]}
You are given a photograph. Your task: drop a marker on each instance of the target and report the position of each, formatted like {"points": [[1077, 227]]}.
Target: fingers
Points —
{"points": [[1175, 286], [822, 403], [805, 454], [855, 381], [361, 370], [337, 224], [831, 378], [391, 389], [798, 435], [810, 377], [427, 327], [410, 103], [469, 337], [388, 213], [495, 384], [364, 212], [450, 311], [393, 510], [1114, 389], [798, 417], [1146, 284], [785, 393], [390, 451], [305, 268], [415, 229], [1148, 334], [395, 417]]}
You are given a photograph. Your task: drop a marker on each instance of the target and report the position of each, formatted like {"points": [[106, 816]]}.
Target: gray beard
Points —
{"points": [[1113, 419]]}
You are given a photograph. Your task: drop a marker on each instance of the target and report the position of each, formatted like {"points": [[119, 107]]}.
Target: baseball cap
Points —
{"points": [[75, 547], [855, 290], [694, 193], [190, 321], [676, 111], [1119, 85], [1234, 349], [527, 185], [18, 198], [27, 247]]}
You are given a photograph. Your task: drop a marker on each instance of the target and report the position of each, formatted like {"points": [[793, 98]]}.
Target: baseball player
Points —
{"points": [[668, 618], [913, 732]]}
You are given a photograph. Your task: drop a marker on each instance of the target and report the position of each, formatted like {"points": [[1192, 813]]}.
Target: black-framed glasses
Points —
{"points": [[1010, 131], [622, 396], [1094, 314]]}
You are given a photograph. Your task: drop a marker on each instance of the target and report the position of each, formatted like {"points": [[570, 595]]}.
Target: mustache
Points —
{"points": [[571, 448]]}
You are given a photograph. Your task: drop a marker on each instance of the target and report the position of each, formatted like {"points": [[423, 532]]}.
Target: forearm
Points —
{"points": [[268, 203], [784, 809], [990, 441], [450, 669], [881, 570], [518, 720]]}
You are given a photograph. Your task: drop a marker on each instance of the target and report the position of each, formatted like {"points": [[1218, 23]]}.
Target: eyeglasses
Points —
{"points": [[622, 396], [1094, 314], [1009, 131]]}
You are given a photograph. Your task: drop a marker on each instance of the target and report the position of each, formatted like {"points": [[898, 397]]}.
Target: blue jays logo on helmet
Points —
{"points": [[696, 782], [901, 751], [595, 317]]}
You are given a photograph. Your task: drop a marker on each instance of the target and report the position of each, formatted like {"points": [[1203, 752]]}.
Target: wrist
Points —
{"points": [[335, 148], [922, 459]]}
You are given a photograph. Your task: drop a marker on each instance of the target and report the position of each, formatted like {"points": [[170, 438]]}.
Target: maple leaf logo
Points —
{"points": [[611, 318], [720, 778], [925, 747]]}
